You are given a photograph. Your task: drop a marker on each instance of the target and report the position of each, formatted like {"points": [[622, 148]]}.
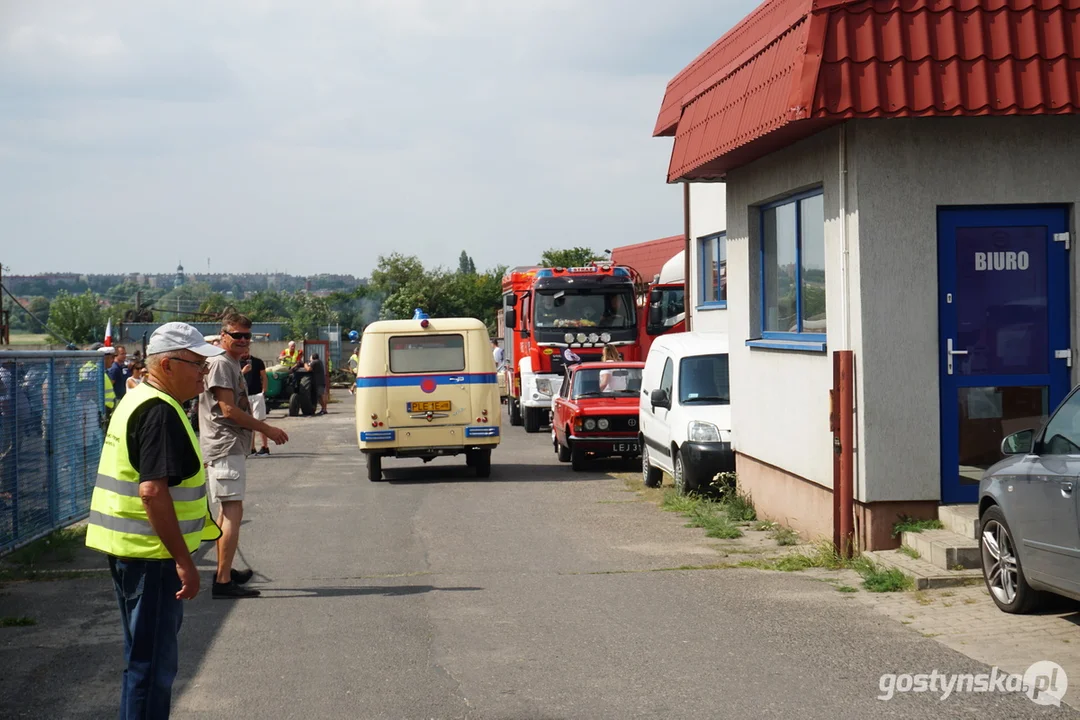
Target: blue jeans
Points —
{"points": [[151, 616]]}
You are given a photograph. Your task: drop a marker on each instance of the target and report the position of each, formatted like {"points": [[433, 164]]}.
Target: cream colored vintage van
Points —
{"points": [[426, 387]]}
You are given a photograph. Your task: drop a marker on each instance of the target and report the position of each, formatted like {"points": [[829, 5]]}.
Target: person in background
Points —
{"points": [[354, 369], [608, 381], [226, 425], [497, 353], [89, 372], [138, 370], [254, 371], [118, 373], [318, 376], [290, 357], [148, 514]]}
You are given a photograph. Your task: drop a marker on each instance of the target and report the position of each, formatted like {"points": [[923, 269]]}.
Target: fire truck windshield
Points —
{"points": [[574, 309]]}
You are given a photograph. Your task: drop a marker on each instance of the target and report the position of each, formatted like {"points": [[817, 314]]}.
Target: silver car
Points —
{"points": [[1028, 510]]}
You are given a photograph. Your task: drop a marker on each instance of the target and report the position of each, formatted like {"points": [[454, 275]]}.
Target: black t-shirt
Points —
{"points": [[158, 444], [317, 373], [254, 378]]}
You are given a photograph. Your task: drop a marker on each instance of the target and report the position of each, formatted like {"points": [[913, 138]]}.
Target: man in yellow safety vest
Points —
{"points": [[290, 356], [149, 512]]}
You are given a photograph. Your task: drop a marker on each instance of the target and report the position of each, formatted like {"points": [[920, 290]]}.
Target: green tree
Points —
{"points": [[77, 317], [466, 266], [214, 304], [394, 271], [572, 257]]}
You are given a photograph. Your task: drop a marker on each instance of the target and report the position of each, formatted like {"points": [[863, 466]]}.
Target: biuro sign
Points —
{"points": [[1002, 260]]}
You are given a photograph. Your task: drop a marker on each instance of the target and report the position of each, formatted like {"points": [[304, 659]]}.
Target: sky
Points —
{"points": [[313, 137]]}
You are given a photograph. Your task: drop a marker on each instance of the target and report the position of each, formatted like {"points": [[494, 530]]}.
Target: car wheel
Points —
{"points": [[374, 467], [532, 419], [513, 407], [564, 452], [1001, 565], [652, 477], [577, 458], [294, 405], [482, 463], [681, 485]]}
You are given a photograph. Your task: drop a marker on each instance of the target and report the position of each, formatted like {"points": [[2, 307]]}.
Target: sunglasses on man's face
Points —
{"points": [[239, 335], [202, 365]]}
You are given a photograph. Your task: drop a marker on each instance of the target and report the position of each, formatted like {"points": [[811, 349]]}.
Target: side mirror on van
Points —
{"points": [[654, 323], [510, 318], [659, 398]]}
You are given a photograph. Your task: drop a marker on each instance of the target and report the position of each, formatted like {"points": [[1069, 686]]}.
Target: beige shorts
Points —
{"points": [[258, 406], [226, 478]]}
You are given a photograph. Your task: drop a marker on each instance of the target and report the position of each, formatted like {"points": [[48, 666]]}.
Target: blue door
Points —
{"points": [[1003, 279]]}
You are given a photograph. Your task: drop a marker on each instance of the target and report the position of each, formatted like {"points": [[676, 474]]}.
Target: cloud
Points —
{"points": [[313, 137]]}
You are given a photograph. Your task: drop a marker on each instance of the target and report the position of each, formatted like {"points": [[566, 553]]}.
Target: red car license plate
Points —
{"points": [[625, 447]]}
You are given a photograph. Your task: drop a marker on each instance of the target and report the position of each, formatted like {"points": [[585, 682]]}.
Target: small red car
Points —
{"points": [[596, 413]]}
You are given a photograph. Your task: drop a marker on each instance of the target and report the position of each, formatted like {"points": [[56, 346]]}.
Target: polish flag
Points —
{"points": [[108, 333]]}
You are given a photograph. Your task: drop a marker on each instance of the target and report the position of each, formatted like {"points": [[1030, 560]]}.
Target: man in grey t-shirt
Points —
{"points": [[225, 426]]}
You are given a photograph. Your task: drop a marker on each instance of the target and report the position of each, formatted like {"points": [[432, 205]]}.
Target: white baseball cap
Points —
{"points": [[107, 350], [180, 336]]}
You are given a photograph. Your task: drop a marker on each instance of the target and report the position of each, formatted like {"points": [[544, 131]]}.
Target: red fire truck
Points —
{"points": [[559, 316], [661, 308]]}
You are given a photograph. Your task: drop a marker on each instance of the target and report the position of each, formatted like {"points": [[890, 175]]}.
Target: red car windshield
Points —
{"points": [[616, 382]]}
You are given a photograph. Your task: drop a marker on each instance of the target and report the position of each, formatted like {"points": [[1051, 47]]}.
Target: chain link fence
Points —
{"points": [[51, 433]]}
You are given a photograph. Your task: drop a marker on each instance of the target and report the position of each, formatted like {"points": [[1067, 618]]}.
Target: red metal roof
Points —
{"points": [[648, 257], [794, 67]]}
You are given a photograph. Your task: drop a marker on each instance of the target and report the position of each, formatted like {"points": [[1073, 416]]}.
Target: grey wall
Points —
{"points": [[907, 168]]}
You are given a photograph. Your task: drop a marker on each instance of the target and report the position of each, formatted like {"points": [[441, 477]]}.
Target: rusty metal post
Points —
{"points": [[847, 455], [834, 428], [688, 286]]}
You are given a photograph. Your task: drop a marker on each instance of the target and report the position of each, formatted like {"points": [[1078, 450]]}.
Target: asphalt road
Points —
{"points": [[537, 593]]}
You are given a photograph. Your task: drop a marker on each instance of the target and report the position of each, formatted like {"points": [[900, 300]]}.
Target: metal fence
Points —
{"points": [[51, 434]]}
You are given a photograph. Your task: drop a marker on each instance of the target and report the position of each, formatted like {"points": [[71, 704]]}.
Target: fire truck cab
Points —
{"points": [[556, 317], [663, 310]]}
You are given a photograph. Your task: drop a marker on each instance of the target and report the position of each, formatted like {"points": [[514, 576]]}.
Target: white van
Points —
{"points": [[685, 411]]}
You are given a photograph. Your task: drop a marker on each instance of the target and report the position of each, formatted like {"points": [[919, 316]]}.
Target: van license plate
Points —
{"points": [[625, 447], [428, 406]]}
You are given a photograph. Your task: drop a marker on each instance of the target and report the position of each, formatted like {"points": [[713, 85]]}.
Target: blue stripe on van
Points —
{"points": [[415, 380]]}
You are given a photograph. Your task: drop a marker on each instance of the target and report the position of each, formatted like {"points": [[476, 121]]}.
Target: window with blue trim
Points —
{"points": [[712, 251], [793, 268]]}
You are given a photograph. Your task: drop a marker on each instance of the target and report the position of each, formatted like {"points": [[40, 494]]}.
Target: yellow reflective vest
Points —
{"points": [[118, 524], [87, 372]]}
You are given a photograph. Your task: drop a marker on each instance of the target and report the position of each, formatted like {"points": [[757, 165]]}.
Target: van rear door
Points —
{"points": [[427, 384]]}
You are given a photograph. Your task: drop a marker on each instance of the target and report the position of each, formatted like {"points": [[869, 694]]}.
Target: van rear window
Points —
{"points": [[427, 353]]}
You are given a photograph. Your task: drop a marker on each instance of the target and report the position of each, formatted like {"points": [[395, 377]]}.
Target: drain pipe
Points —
{"points": [[842, 421], [687, 289]]}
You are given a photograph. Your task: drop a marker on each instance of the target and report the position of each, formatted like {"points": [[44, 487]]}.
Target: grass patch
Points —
{"points": [[891, 580], [713, 516], [765, 525], [784, 535], [17, 621], [910, 552], [910, 524], [846, 589], [823, 555], [59, 545]]}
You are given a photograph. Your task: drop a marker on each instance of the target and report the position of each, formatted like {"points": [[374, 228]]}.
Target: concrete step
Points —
{"points": [[925, 575], [960, 519], [943, 548]]}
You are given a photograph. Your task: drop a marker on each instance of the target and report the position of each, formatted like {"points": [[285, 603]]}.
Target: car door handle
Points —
{"points": [[1067, 487]]}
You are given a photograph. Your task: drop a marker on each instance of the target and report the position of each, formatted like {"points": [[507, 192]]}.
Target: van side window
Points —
{"points": [[666, 379]]}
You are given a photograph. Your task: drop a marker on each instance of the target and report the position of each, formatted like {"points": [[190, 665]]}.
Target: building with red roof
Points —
{"points": [[901, 180]]}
